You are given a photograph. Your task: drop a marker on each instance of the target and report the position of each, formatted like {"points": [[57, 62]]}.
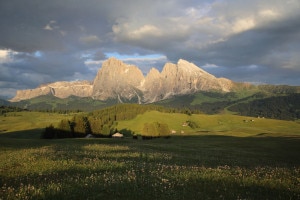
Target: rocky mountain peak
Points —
{"points": [[192, 68], [116, 79], [112, 62]]}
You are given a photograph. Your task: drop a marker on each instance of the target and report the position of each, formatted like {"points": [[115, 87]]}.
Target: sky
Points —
{"points": [[256, 41]]}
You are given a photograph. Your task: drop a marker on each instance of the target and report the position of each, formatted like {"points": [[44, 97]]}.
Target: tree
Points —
{"points": [[163, 129], [49, 133], [106, 130], [155, 129], [64, 129], [95, 125]]}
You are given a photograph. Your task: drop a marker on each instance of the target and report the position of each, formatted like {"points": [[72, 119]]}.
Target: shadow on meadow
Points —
{"points": [[206, 150], [143, 186], [24, 134], [149, 181], [182, 167]]}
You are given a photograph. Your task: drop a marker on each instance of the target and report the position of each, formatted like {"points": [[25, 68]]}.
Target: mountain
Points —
{"points": [[117, 80]]}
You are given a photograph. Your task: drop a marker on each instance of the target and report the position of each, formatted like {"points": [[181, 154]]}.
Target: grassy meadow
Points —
{"points": [[226, 157]]}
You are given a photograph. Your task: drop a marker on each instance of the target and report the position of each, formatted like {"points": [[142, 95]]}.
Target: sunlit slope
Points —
{"points": [[222, 124]]}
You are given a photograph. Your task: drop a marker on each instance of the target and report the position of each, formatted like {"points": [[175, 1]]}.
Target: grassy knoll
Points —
{"points": [[208, 163]]}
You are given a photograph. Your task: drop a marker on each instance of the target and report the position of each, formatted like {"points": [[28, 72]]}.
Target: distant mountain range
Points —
{"points": [[181, 86], [117, 80]]}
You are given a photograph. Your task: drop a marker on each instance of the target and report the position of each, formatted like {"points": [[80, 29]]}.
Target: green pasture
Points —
{"points": [[220, 124], [227, 157]]}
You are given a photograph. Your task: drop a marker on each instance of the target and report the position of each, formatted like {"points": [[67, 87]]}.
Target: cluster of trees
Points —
{"points": [[6, 109], [192, 124], [79, 126], [156, 129]]}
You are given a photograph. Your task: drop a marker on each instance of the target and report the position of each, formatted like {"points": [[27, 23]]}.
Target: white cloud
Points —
{"points": [[245, 24], [268, 13], [210, 66], [51, 26], [6, 55], [145, 31]]}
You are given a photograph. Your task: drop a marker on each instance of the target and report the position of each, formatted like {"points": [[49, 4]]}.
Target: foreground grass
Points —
{"points": [[225, 158], [182, 167]]}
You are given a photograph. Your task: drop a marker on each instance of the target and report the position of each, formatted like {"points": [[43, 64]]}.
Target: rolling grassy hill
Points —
{"points": [[220, 124]]}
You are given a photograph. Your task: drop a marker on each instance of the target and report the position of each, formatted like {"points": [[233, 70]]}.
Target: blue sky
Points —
{"points": [[63, 40], [133, 56]]}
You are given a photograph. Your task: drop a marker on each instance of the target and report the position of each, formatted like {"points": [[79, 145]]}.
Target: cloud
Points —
{"points": [[51, 26], [4, 55]]}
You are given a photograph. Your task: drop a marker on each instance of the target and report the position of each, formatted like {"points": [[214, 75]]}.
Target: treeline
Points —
{"points": [[6, 109], [280, 107], [280, 89], [102, 123], [77, 127], [226, 100], [211, 102]]}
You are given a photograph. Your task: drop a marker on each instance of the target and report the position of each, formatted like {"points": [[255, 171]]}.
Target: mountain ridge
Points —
{"points": [[118, 80]]}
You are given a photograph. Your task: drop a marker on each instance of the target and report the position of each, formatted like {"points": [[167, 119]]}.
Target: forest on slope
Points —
{"points": [[279, 107]]}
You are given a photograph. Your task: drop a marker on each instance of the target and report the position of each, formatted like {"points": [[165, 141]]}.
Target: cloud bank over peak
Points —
{"points": [[68, 40]]}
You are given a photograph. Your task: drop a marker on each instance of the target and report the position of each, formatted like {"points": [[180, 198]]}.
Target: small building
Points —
{"points": [[118, 135], [185, 124], [89, 136]]}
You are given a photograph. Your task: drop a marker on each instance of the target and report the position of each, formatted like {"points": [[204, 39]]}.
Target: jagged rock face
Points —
{"points": [[183, 78], [117, 80], [59, 89], [66, 89], [31, 93], [152, 86]]}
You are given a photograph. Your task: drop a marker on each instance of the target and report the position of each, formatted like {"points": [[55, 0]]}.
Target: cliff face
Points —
{"points": [[181, 78], [58, 89], [117, 80]]}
